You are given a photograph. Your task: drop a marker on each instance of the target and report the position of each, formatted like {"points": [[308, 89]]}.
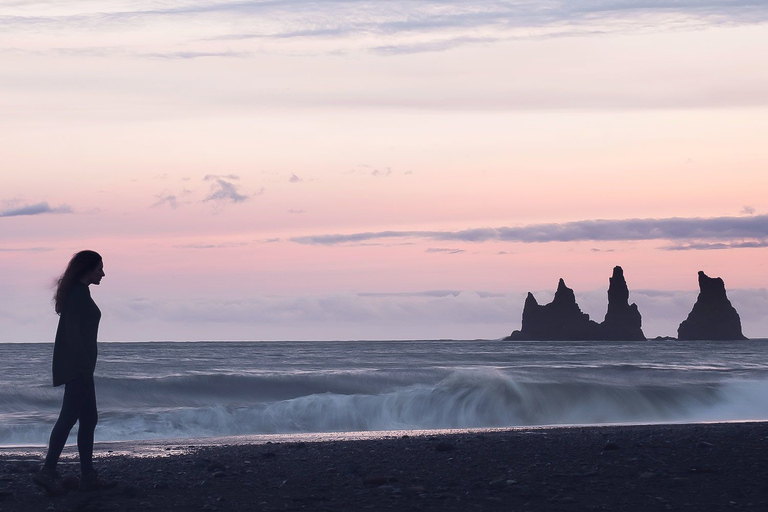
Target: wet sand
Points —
{"points": [[698, 467]]}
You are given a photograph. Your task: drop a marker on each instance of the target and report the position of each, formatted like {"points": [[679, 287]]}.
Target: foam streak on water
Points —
{"points": [[188, 390]]}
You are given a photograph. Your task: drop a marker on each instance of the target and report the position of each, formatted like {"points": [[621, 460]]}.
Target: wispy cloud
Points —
{"points": [[25, 249], [224, 190], [226, 245], [748, 210], [439, 45], [403, 22], [737, 231], [196, 55], [33, 209], [703, 246], [166, 199], [444, 250]]}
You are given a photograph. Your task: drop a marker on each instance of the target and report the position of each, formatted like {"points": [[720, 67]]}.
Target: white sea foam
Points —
{"points": [[464, 399], [435, 385]]}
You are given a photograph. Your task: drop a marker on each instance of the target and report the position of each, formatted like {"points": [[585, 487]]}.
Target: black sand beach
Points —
{"points": [[697, 467]]}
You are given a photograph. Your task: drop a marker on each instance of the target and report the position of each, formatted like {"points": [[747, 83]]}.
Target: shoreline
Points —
{"points": [[148, 447], [691, 466]]}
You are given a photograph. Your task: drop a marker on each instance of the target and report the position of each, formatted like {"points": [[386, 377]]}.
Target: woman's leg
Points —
{"points": [[74, 398], [89, 416]]}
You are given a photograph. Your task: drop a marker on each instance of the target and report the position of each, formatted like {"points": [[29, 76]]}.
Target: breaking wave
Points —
{"points": [[223, 405]]}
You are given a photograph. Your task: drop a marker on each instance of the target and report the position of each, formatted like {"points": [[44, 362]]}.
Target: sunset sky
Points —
{"points": [[277, 170]]}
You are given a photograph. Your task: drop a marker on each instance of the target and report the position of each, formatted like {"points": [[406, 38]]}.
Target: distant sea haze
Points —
{"points": [[158, 390]]}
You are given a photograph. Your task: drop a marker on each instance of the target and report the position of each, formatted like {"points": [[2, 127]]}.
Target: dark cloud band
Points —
{"points": [[739, 231], [34, 209], [345, 18]]}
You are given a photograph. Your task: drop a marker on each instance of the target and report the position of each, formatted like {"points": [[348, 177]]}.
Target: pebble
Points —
{"points": [[70, 483], [130, 491], [377, 480], [216, 467], [498, 484], [445, 447]]}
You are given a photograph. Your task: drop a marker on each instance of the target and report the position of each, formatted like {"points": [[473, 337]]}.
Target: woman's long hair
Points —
{"points": [[80, 264]]}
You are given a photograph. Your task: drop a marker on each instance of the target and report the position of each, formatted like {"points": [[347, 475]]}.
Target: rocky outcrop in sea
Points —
{"points": [[623, 321], [562, 319], [713, 317]]}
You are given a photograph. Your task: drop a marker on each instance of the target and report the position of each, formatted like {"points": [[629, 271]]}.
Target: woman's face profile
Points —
{"points": [[95, 275]]}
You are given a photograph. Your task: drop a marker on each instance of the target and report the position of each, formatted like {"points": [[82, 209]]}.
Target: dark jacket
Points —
{"points": [[74, 352]]}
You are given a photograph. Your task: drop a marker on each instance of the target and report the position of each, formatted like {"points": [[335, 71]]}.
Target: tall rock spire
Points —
{"points": [[623, 321], [713, 317]]}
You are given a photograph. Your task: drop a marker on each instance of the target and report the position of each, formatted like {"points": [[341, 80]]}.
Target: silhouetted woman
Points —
{"points": [[74, 361]]}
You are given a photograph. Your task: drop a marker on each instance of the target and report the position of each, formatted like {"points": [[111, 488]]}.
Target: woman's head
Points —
{"points": [[86, 267]]}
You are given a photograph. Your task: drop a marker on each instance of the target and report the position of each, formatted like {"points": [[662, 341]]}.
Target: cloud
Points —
{"points": [[34, 209], [377, 172], [296, 212], [228, 245], [294, 179], [169, 199], [26, 249], [406, 25], [431, 46], [429, 307], [748, 210], [431, 314], [223, 190], [703, 246], [196, 55], [739, 231], [444, 250]]}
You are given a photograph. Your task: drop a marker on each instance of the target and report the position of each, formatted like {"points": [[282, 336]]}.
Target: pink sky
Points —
{"points": [[208, 151]]}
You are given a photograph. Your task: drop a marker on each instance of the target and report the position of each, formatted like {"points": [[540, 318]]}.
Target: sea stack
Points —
{"points": [[561, 319], [712, 317], [623, 321]]}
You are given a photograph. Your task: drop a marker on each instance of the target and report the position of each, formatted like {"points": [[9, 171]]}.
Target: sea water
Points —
{"points": [[159, 390]]}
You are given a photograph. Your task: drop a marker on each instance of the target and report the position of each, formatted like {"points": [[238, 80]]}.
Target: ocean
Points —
{"points": [[160, 390]]}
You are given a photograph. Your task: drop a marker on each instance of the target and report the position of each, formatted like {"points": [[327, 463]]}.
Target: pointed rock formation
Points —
{"points": [[561, 319], [623, 321], [712, 317]]}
